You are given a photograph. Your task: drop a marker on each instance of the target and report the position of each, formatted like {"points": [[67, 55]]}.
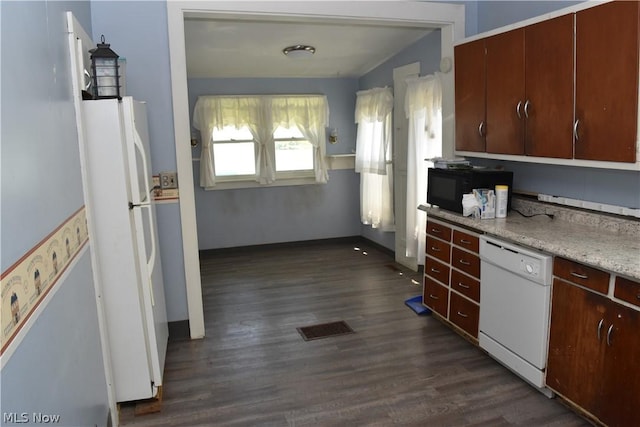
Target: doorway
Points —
{"points": [[448, 17]]}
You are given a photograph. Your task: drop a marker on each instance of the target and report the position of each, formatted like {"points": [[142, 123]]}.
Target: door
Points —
{"points": [[470, 96], [548, 108], [607, 82], [153, 305], [137, 143], [621, 391], [400, 139], [575, 361], [505, 92]]}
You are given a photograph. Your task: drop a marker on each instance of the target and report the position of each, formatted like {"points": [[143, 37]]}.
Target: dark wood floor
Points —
{"points": [[254, 369]]}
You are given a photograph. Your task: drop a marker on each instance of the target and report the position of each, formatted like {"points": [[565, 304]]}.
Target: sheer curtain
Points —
{"points": [[423, 108], [262, 114], [310, 114], [373, 157]]}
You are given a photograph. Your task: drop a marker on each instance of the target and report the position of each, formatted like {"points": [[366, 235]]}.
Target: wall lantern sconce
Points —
{"points": [[106, 75], [333, 136]]}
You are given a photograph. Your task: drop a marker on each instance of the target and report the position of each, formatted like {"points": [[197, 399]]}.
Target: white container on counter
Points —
{"points": [[502, 198]]}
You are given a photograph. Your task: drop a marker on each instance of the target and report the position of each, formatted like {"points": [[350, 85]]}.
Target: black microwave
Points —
{"points": [[446, 186]]}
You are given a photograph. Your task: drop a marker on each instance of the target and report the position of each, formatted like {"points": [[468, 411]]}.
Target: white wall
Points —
{"points": [[58, 367]]}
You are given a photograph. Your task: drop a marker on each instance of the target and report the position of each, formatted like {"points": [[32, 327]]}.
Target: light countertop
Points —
{"points": [[615, 248]]}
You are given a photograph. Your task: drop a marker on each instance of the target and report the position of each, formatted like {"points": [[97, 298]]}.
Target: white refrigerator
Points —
{"points": [[120, 192]]}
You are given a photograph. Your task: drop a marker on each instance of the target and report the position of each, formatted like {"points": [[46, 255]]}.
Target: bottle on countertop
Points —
{"points": [[502, 198]]}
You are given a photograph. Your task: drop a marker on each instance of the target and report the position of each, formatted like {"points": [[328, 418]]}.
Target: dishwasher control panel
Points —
{"points": [[530, 267], [535, 266]]}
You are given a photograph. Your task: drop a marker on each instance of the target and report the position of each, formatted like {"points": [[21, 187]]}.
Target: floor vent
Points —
{"points": [[325, 330]]}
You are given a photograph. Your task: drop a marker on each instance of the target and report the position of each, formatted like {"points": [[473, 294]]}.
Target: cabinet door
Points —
{"points": [[464, 314], [548, 108], [470, 96], [620, 400], [505, 89], [435, 296], [607, 81], [575, 361]]}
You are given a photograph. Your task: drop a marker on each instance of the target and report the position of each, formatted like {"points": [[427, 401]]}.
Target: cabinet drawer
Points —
{"points": [[627, 290], [439, 230], [465, 314], [465, 240], [438, 249], [580, 274], [437, 270], [465, 261], [435, 296], [465, 285]]}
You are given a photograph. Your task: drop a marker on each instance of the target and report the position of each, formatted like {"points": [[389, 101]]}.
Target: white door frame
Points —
{"points": [[448, 17]]}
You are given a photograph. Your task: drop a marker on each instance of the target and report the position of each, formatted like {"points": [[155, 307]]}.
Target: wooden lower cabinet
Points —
{"points": [[594, 343], [452, 276], [464, 314], [435, 296]]}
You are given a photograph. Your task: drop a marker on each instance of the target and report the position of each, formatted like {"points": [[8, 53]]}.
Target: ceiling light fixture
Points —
{"points": [[299, 51]]}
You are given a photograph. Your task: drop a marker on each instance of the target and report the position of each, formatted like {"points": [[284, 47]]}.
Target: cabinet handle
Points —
{"points": [[575, 130], [465, 242], [481, 129], [526, 108], [463, 262], [434, 249], [436, 230], [433, 296], [609, 335], [462, 285], [518, 107], [435, 270], [579, 276], [463, 315], [600, 327]]}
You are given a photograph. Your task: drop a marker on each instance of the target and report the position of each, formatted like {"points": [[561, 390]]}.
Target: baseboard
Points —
{"points": [[347, 239]]}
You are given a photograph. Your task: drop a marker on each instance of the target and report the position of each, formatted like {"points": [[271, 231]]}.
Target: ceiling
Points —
{"points": [[251, 48]]}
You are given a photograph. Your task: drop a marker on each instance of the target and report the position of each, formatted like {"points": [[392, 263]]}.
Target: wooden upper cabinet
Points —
{"points": [[548, 107], [607, 81], [470, 96], [505, 90]]}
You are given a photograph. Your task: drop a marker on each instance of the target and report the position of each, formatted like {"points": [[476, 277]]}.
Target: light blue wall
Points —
{"points": [[137, 31], [228, 218], [427, 52], [58, 366], [596, 185], [495, 14]]}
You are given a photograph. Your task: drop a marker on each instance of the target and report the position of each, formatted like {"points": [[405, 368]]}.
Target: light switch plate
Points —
{"points": [[168, 180]]}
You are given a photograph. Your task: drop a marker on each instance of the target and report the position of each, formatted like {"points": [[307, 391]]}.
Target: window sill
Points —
{"points": [[235, 185]]}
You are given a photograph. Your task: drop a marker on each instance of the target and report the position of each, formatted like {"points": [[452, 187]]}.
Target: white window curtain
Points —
{"points": [[310, 115], [262, 114], [373, 157], [423, 108]]}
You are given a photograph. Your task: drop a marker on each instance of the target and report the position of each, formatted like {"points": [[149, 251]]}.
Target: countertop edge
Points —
{"points": [[516, 231]]}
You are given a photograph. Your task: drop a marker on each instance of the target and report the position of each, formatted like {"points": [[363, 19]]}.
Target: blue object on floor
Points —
{"points": [[415, 304]]}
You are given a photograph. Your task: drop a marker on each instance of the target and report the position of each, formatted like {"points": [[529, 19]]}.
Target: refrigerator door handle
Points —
{"points": [[152, 256], [137, 142]]}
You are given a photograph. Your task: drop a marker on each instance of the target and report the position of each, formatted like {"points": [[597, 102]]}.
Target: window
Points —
{"points": [[261, 138], [293, 152], [234, 152]]}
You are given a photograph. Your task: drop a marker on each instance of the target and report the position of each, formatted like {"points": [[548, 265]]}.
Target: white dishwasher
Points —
{"points": [[515, 298]]}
